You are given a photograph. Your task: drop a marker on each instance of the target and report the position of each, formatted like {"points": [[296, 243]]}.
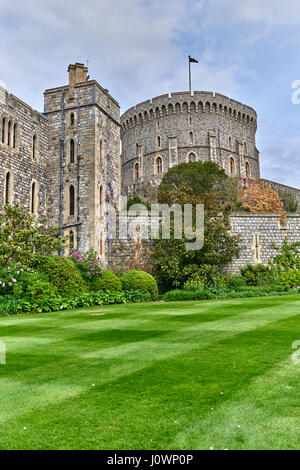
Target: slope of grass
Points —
{"points": [[149, 376]]}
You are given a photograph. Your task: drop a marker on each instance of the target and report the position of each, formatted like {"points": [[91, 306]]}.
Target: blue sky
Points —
{"points": [[247, 49]]}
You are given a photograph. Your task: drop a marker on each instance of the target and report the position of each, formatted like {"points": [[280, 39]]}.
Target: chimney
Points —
{"points": [[77, 74]]}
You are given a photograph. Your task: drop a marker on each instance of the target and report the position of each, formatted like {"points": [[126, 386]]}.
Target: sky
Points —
{"points": [[247, 50]]}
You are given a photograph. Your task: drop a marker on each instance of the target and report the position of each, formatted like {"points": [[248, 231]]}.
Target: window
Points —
{"points": [[101, 151], [8, 188], [158, 141], [72, 151], [158, 125], [102, 244], [247, 170], [245, 148], [232, 166], [15, 136], [33, 198], [191, 138], [3, 130], [191, 157], [71, 240], [72, 119], [34, 146], [190, 121], [158, 165], [101, 201], [8, 132], [136, 171], [230, 142], [71, 200]]}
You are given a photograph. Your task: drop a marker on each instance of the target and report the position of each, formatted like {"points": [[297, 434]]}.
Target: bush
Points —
{"points": [[237, 281], [178, 295], [251, 273], [105, 281], [290, 278], [63, 274], [193, 285], [140, 280]]}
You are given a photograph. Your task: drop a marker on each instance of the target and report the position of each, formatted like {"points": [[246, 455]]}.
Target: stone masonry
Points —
{"points": [[64, 164]]}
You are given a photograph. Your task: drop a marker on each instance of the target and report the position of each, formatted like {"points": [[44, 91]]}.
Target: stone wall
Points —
{"points": [[85, 116], [21, 165], [257, 234], [182, 127]]}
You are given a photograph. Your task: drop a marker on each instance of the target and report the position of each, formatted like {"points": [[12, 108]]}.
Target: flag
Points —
{"points": [[192, 60]]}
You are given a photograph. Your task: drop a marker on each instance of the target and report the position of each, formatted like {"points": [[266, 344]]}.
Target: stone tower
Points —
{"points": [[181, 127], [84, 159]]}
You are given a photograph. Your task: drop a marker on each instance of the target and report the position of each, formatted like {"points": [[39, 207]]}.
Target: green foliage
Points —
{"points": [[105, 281], [193, 285], [137, 200], [23, 238], [63, 274], [217, 293], [290, 203], [251, 273], [140, 280], [288, 256], [9, 305], [237, 281], [290, 278]]}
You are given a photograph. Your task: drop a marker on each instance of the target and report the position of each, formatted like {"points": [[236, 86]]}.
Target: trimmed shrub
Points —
{"points": [[63, 274], [140, 280], [105, 281]]}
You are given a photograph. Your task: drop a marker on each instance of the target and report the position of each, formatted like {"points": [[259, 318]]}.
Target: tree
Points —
{"points": [[174, 264], [201, 178], [23, 238], [259, 196], [290, 203]]}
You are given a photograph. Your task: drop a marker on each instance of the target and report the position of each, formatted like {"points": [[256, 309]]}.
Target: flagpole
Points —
{"points": [[190, 81]]}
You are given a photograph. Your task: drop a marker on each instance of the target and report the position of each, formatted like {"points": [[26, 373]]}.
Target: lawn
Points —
{"points": [[151, 376]]}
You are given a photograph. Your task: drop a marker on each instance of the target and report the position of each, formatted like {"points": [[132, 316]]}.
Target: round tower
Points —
{"points": [[181, 127]]}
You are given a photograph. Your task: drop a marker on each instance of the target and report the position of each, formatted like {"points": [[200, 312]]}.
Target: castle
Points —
{"points": [[66, 163]]}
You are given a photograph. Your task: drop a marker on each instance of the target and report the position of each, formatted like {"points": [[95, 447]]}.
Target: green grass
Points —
{"points": [[158, 370]]}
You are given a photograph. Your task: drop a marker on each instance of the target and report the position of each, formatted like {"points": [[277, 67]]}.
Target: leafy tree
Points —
{"points": [[23, 238], [175, 265], [201, 178], [259, 196], [290, 203]]}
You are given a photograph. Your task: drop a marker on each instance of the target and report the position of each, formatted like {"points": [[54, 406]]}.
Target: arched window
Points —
{"points": [[72, 151], [191, 157], [71, 240], [15, 136], [72, 200], [72, 119], [8, 188], [245, 148], [34, 146], [158, 141], [232, 166], [101, 201], [247, 170], [158, 165], [190, 121], [33, 198], [230, 142], [3, 130], [102, 244], [8, 132], [101, 152], [158, 125], [136, 171], [191, 138]]}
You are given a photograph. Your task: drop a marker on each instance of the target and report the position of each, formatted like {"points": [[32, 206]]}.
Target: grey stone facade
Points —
{"points": [[180, 127], [65, 164]]}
